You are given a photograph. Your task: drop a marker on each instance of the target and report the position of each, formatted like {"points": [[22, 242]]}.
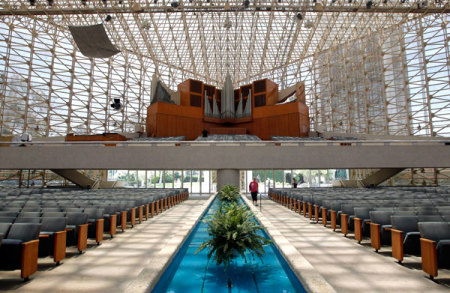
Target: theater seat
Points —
{"points": [[7, 219], [435, 246], [53, 238], [19, 249], [77, 229], [4, 228], [96, 223], [405, 236], [380, 226]]}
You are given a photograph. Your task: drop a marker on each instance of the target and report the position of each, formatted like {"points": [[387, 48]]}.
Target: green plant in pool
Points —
{"points": [[229, 193], [233, 232]]}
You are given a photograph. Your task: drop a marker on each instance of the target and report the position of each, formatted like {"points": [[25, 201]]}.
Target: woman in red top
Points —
{"points": [[254, 190]]}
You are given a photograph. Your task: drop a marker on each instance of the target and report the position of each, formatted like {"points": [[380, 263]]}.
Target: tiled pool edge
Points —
{"points": [[148, 278], [311, 279]]}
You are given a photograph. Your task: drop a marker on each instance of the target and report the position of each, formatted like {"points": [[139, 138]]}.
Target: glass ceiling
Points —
{"points": [[207, 39]]}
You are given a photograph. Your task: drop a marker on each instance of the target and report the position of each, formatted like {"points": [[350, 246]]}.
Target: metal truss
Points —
{"points": [[380, 68]]}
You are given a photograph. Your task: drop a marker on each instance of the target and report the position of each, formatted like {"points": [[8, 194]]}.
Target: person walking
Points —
{"points": [[254, 190]]}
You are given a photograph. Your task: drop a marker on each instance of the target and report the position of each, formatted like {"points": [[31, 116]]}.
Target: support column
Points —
{"points": [[227, 176]]}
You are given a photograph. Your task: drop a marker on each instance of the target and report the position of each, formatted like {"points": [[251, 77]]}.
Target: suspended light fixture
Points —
{"points": [[108, 18], [246, 3], [369, 4], [299, 16], [175, 4]]}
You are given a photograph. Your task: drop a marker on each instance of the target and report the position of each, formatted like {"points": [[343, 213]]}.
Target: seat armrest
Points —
{"points": [[30, 251], [429, 257], [397, 244]]}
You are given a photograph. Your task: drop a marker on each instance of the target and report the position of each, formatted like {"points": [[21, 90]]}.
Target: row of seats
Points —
{"points": [[413, 221], [36, 223]]}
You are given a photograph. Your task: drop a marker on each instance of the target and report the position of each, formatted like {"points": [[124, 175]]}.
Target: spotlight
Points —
{"points": [[84, 2], [32, 2], [104, 2], [175, 4], [350, 1], [403, 1], [299, 16], [50, 2], [246, 3], [155, 1], [385, 1], [369, 4], [108, 18]]}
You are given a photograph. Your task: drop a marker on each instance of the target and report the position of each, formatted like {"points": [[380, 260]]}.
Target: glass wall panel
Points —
{"points": [[205, 181], [159, 183], [195, 179], [177, 179], [187, 180], [168, 179]]}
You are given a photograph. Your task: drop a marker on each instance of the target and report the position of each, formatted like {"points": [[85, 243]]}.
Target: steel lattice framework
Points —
{"points": [[381, 68]]}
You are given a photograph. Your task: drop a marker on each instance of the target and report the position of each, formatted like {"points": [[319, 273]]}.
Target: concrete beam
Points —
{"points": [[215, 156], [380, 176], [75, 177], [227, 177]]}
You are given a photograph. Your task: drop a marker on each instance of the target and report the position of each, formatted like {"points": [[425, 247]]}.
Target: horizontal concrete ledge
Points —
{"points": [[307, 274], [330, 155]]}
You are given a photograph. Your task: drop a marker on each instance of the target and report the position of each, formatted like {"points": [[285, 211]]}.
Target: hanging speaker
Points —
{"points": [[116, 105]]}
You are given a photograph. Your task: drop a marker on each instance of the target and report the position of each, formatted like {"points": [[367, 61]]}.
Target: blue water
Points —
{"points": [[190, 272]]}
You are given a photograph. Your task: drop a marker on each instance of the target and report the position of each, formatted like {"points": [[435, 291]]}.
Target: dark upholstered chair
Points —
{"points": [[36, 220], [96, 224], [344, 214], [110, 217], [435, 246], [361, 221], [19, 249], [53, 238], [74, 210], [53, 214], [405, 236], [380, 226], [77, 230], [9, 214], [50, 209], [4, 228], [7, 219], [29, 215], [334, 218]]}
